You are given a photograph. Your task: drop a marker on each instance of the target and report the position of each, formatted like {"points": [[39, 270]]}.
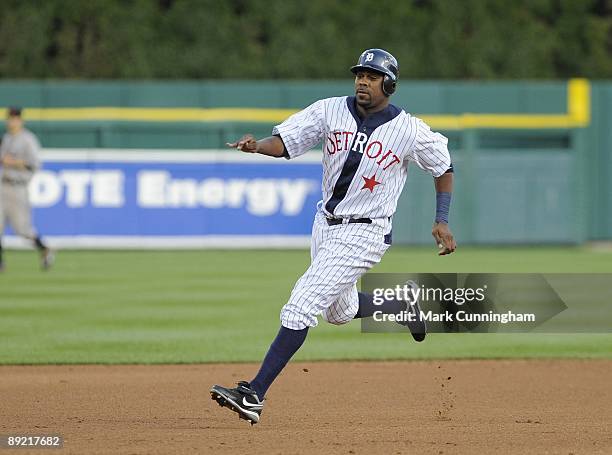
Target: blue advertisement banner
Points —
{"points": [[140, 194]]}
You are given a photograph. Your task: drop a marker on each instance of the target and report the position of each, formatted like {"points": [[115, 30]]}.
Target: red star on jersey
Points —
{"points": [[370, 183]]}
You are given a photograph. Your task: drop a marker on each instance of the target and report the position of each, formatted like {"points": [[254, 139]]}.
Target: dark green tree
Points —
{"points": [[303, 39]]}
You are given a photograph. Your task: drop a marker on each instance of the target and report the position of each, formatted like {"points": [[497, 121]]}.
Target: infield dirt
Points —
{"points": [[437, 407]]}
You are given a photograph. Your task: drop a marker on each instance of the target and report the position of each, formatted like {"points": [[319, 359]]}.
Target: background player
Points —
{"points": [[19, 160], [367, 145]]}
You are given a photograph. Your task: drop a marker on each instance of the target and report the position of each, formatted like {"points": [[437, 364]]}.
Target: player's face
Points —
{"points": [[14, 122], [368, 89]]}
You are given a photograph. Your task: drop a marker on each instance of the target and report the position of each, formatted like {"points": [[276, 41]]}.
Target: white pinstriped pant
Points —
{"points": [[340, 254]]}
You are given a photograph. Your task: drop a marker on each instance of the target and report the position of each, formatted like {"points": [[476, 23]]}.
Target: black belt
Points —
{"points": [[335, 221]]}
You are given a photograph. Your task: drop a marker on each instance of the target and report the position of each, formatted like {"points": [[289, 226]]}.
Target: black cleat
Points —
{"points": [[242, 400], [418, 328], [47, 259]]}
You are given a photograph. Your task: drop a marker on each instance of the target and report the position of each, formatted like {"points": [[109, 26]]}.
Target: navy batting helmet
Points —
{"points": [[381, 61]]}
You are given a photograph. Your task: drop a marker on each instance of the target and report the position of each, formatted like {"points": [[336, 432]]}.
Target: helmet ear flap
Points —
{"points": [[388, 85]]}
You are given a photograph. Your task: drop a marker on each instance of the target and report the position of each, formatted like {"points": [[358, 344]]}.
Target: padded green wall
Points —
{"points": [[512, 186]]}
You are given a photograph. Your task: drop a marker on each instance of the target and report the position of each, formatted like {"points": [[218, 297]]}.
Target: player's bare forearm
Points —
{"points": [[270, 146], [444, 183], [440, 231]]}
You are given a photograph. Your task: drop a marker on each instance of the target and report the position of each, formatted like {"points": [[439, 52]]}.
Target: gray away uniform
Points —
{"points": [[14, 201]]}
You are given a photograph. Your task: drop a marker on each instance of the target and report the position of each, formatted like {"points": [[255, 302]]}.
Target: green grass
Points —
{"points": [[223, 306]]}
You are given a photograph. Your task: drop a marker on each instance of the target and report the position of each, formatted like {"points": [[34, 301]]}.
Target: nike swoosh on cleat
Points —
{"points": [[252, 405]]}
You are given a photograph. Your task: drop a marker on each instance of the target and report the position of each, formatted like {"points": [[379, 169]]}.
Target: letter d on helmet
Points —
{"points": [[383, 62]]}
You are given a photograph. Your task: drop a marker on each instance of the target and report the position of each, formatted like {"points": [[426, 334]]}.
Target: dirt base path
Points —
{"points": [[437, 407]]}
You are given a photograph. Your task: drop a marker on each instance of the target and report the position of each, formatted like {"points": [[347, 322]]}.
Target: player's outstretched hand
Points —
{"points": [[246, 144], [444, 238]]}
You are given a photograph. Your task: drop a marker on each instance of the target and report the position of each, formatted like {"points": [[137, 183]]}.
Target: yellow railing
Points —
{"points": [[577, 115]]}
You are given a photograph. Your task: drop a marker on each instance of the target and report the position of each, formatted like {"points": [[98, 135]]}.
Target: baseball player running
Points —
{"points": [[367, 146], [19, 160]]}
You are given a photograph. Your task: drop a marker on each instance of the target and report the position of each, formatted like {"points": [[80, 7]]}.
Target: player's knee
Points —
{"points": [[336, 318], [297, 317], [25, 233]]}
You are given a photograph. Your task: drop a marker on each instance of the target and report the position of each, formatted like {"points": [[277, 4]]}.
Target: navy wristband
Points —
{"points": [[443, 200]]}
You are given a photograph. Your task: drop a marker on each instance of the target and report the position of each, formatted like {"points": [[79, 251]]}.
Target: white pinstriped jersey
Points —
{"points": [[365, 161]]}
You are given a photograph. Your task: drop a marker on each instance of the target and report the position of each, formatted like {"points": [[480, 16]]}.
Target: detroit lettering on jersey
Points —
{"points": [[365, 161]]}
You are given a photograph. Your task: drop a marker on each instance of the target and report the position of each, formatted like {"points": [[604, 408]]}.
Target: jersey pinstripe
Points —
{"points": [[379, 148]]}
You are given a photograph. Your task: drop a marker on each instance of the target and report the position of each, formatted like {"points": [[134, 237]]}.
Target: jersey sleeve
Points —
{"points": [[430, 150], [303, 130]]}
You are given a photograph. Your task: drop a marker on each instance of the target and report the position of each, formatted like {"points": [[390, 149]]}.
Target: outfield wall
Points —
{"points": [[533, 160]]}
